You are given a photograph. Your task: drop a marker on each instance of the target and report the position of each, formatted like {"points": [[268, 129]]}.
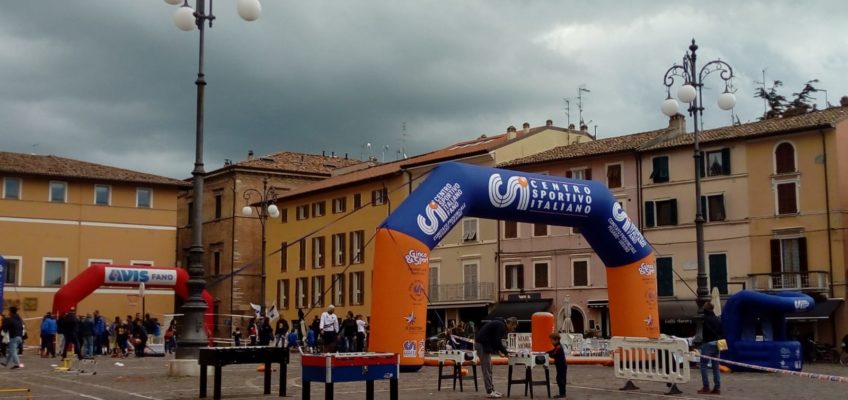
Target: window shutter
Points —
{"points": [[802, 253], [508, 278], [568, 174], [649, 214], [702, 161], [725, 161], [588, 174], [775, 256], [521, 277], [704, 208], [674, 211]]}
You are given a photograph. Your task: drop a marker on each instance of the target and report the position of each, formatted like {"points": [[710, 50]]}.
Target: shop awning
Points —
{"points": [[822, 310], [441, 306], [523, 310], [678, 311]]}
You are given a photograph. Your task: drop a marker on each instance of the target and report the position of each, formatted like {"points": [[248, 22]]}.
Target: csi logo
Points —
{"points": [[516, 187]]}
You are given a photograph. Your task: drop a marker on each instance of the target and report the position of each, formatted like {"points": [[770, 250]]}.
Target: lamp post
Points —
{"points": [[265, 208], [192, 334], [692, 92]]}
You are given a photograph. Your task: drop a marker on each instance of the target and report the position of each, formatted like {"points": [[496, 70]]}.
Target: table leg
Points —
{"points": [[283, 377], [441, 367], [267, 377], [307, 393], [548, 380], [217, 388], [458, 375], [203, 368], [393, 389], [369, 390], [528, 381], [329, 391], [509, 382], [474, 367]]}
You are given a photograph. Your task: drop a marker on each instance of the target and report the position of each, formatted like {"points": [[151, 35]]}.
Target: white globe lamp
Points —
{"points": [[726, 101], [669, 107], [184, 19], [249, 10], [686, 93], [247, 211]]}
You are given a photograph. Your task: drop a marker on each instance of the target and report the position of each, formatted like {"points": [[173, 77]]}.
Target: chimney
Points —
{"points": [[584, 128], [526, 127], [549, 122], [345, 156], [332, 154], [678, 122], [571, 126], [249, 155], [510, 133], [323, 153]]}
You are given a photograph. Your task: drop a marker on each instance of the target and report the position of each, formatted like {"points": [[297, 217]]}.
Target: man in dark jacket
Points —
{"points": [[489, 341], [712, 332], [68, 327], [15, 326], [86, 333]]}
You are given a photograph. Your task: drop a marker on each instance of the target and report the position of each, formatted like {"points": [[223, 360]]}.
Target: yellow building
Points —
{"points": [[326, 254], [58, 216]]}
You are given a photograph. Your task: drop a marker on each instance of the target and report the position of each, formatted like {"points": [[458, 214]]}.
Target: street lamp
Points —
{"points": [[192, 335], [692, 92], [265, 208]]}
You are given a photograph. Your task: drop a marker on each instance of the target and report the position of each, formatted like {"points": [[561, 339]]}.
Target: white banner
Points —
{"points": [[148, 276]]}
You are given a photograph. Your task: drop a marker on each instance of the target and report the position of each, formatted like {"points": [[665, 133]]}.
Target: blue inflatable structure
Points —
{"points": [[749, 314]]}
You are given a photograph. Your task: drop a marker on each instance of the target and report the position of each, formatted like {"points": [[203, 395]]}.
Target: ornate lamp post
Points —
{"points": [[265, 208], [692, 92], [192, 335]]}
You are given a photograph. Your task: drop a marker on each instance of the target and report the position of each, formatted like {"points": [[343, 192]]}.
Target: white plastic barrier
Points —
{"points": [[657, 360]]}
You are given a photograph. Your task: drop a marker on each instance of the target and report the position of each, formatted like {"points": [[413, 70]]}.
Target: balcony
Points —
{"points": [[457, 292], [807, 281]]}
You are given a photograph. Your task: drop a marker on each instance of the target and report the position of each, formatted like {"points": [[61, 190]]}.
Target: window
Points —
{"points": [[379, 196], [433, 282], [357, 252], [787, 198], [283, 293], [580, 272], [301, 262], [469, 229], [302, 292], [514, 276], [789, 255], [218, 199], [144, 198], [317, 291], [540, 229], [339, 248], [58, 191], [339, 289], [12, 271], [284, 215], [579, 173], [614, 176], [718, 272], [357, 288], [12, 188], [139, 263], [216, 262], [284, 256], [99, 261], [665, 277], [540, 274], [717, 163], [660, 171], [712, 206], [303, 212], [319, 209], [54, 272], [661, 213], [339, 205], [510, 230], [318, 252], [470, 272], [357, 201], [102, 195], [784, 158]]}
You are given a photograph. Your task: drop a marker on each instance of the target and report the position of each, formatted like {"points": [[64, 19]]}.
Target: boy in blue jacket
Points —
{"points": [[292, 339], [558, 354], [310, 341], [48, 336]]}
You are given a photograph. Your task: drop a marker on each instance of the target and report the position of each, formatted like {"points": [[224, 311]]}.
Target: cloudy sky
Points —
{"points": [[112, 81]]}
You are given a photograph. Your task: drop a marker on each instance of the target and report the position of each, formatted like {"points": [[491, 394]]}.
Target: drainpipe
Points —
{"points": [[638, 158], [233, 250], [827, 214]]}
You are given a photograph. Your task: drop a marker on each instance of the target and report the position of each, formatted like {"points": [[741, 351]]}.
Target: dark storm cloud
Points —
{"points": [[113, 81]]}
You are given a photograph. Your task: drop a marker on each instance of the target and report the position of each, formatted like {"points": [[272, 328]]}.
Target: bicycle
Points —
{"points": [[825, 353]]}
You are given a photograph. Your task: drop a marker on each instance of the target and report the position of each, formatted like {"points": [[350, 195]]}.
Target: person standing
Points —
{"points": [[712, 332], [280, 332], [68, 326], [252, 331], [348, 330], [14, 325], [329, 327], [237, 337], [48, 336], [101, 334], [87, 335], [266, 333], [140, 341], [360, 333], [489, 341], [558, 354]]}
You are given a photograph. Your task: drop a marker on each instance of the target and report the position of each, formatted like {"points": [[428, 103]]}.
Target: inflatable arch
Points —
{"points": [[124, 275], [455, 190]]}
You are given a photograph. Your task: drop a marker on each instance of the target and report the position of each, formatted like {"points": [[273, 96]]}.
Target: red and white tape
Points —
{"points": [[810, 375]]}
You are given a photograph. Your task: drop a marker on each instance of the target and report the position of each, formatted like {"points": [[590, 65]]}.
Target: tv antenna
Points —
{"points": [[567, 110], [580, 91], [763, 82]]}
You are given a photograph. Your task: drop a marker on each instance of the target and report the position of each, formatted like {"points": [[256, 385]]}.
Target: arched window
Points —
{"points": [[784, 157]]}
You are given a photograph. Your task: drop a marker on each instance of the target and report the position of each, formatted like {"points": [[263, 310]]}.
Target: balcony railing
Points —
{"points": [[462, 292], [809, 281]]}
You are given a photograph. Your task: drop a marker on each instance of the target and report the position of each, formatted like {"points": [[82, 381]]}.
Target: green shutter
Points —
{"points": [[718, 272], [649, 214], [725, 161], [665, 277], [660, 172]]}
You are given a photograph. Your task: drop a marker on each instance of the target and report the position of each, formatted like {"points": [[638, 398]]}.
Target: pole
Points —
{"points": [[263, 216], [696, 110]]}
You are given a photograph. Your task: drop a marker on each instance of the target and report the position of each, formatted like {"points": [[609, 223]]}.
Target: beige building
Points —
{"points": [[59, 216]]}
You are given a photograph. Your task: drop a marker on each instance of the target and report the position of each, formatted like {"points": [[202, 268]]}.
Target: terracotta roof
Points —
{"points": [[287, 161], [59, 167], [812, 120], [480, 145], [592, 148]]}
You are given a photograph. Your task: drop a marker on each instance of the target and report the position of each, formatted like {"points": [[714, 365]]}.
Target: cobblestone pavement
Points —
{"points": [[145, 378]]}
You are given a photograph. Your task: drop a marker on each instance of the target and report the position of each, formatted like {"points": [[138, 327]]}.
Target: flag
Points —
{"points": [[272, 312], [257, 309]]}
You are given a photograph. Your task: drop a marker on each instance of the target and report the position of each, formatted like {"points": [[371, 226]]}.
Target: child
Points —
{"points": [[310, 341], [292, 339], [237, 337], [558, 354]]}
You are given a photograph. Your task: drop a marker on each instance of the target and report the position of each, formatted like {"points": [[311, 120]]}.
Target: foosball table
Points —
{"points": [[528, 359], [458, 358], [331, 368], [221, 356]]}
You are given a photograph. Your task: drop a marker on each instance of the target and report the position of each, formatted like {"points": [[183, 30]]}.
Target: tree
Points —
{"points": [[780, 107]]}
